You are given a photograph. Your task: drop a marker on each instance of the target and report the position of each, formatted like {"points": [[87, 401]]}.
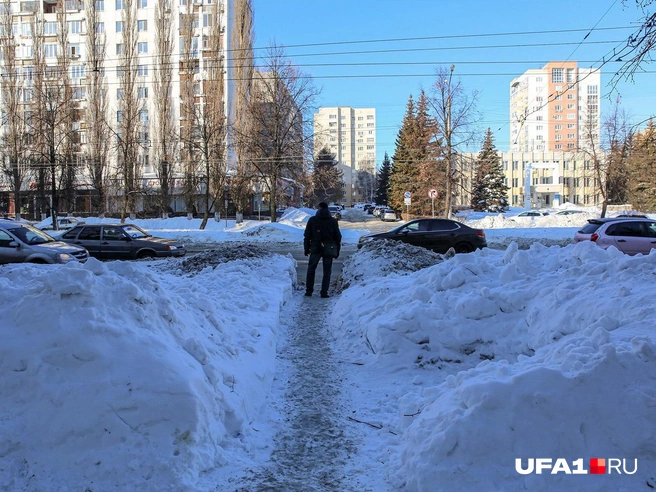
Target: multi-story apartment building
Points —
{"points": [[539, 179], [52, 36], [350, 134], [555, 108]]}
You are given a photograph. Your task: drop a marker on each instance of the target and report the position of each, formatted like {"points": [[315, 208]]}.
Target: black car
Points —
{"points": [[121, 242], [435, 234]]}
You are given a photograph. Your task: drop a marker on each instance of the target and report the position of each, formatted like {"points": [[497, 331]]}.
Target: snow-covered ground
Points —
{"points": [[155, 375]]}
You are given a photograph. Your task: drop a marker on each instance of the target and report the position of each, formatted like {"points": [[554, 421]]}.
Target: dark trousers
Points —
{"points": [[312, 268]]}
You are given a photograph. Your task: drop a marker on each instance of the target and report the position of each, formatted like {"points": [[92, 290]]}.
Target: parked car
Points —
{"points": [[438, 235], [533, 213], [20, 243], [378, 209], [388, 214], [63, 223], [631, 235], [335, 211], [121, 242], [569, 212]]}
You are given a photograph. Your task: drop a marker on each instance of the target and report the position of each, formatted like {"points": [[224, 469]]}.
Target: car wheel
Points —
{"points": [[145, 254], [38, 261], [464, 248]]}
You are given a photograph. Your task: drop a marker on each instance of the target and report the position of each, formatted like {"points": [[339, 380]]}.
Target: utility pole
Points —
{"points": [[449, 150]]}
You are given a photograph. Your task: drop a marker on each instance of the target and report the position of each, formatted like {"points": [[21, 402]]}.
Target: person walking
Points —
{"points": [[321, 241]]}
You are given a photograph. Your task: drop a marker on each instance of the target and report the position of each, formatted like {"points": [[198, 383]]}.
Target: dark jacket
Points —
{"points": [[321, 227]]}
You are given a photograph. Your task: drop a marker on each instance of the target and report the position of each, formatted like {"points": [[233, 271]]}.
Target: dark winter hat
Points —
{"points": [[323, 205]]}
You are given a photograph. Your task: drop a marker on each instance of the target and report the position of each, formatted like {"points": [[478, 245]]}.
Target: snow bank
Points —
{"points": [[381, 258], [547, 353], [123, 376], [585, 396]]}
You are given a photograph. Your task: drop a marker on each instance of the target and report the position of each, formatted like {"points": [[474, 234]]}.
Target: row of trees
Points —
{"points": [[60, 134]]}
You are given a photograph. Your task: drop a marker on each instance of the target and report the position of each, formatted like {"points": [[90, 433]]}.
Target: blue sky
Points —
{"points": [[385, 50]]}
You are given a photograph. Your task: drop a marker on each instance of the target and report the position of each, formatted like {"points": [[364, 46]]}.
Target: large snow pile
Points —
{"points": [[222, 253], [589, 395], [120, 376], [558, 345], [380, 258], [502, 221]]}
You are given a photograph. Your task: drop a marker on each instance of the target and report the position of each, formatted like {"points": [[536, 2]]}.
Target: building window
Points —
{"points": [[559, 137], [558, 117], [539, 137], [142, 70], [119, 4], [143, 92], [100, 27], [571, 116], [74, 50], [207, 20], [559, 147], [538, 79], [515, 182], [100, 5], [143, 115], [75, 27], [142, 4], [570, 106], [559, 127], [77, 71], [120, 49], [49, 28], [119, 93], [570, 96], [142, 48], [515, 165], [539, 118], [570, 135], [558, 107], [557, 76], [332, 117], [570, 125], [50, 50], [142, 25], [119, 26]]}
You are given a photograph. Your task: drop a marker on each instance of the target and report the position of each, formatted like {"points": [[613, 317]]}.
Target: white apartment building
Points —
{"points": [[555, 108], [349, 134], [215, 17]]}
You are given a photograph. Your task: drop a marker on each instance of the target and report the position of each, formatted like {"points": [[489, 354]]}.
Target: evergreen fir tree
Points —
{"points": [[415, 162], [642, 171], [326, 179], [489, 193], [383, 181], [403, 175]]}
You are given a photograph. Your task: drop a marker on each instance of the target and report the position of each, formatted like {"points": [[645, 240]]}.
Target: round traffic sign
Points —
{"points": [[432, 193], [407, 194]]}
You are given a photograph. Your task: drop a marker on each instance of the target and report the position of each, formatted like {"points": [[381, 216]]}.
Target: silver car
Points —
{"points": [[20, 243]]}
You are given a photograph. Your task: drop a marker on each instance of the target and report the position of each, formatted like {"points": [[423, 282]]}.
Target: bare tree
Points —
{"points": [[607, 155], [164, 134], [210, 123], [366, 180], [279, 137], [131, 129], [189, 65], [455, 114], [97, 128], [15, 165], [638, 47], [241, 62]]}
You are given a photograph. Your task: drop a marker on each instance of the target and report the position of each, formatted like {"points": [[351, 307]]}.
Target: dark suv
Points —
{"points": [[121, 242], [438, 235]]}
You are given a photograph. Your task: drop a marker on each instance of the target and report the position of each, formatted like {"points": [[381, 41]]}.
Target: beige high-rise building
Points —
{"points": [[555, 108], [350, 134]]}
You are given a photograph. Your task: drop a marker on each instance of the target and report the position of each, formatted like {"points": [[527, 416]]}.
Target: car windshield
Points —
{"points": [[134, 232], [31, 235]]}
